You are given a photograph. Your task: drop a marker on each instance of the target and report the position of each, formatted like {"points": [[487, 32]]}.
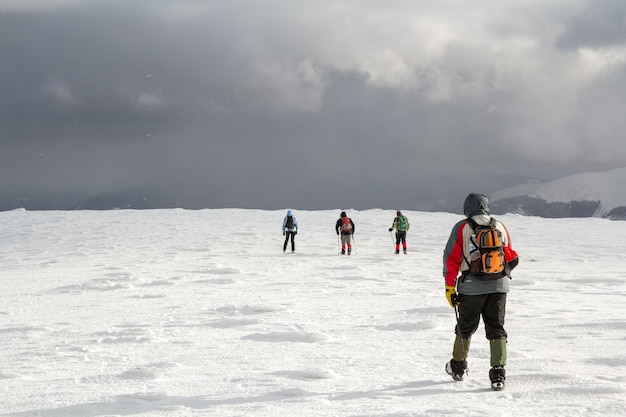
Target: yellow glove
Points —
{"points": [[451, 296]]}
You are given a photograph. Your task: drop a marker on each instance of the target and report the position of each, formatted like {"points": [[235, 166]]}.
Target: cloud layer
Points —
{"points": [[291, 103]]}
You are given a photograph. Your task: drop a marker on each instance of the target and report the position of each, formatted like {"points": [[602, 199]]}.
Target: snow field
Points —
{"points": [[190, 313]]}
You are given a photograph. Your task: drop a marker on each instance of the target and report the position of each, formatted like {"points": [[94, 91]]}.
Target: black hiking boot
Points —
{"points": [[497, 375], [397, 251], [456, 369]]}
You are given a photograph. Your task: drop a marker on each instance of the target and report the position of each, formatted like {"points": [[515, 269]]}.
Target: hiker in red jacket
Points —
{"points": [[477, 263]]}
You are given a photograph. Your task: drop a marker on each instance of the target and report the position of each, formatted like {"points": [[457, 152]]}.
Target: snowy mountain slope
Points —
{"points": [[597, 194]]}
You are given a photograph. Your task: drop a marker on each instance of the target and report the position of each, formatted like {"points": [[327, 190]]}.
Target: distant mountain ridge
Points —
{"points": [[593, 194], [597, 194]]}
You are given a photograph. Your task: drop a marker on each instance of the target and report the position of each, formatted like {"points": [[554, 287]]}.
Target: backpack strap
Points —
{"points": [[472, 223]]}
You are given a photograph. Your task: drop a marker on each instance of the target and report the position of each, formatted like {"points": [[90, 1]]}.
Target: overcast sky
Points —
{"points": [[308, 104]]}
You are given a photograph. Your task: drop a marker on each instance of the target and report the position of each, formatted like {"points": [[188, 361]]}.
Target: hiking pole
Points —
{"points": [[338, 245], [356, 252], [393, 242], [458, 329]]}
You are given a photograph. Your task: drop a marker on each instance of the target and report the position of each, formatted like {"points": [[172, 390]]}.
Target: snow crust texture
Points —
{"points": [[199, 313]]}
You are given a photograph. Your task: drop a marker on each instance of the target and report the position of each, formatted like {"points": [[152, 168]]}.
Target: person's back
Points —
{"points": [[401, 224], [478, 290], [290, 229], [289, 222], [345, 227]]}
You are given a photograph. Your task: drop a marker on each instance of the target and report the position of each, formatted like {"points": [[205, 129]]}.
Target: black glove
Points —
{"points": [[390, 229], [283, 233], [295, 232]]}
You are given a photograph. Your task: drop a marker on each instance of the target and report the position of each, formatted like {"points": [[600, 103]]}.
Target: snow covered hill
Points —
{"points": [[597, 194]]}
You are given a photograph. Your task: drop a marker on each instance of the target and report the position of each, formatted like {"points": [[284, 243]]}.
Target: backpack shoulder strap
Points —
{"points": [[474, 225]]}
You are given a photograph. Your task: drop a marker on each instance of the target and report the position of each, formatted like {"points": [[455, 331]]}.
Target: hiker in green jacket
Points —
{"points": [[401, 224]]}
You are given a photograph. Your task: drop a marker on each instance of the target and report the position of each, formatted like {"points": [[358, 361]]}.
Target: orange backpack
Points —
{"points": [[487, 252]]}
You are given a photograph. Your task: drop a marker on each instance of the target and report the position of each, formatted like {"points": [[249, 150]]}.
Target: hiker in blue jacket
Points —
{"points": [[290, 229]]}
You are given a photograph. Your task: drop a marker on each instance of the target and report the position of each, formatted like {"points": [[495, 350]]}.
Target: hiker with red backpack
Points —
{"points": [[345, 228], [401, 224], [290, 230], [477, 264]]}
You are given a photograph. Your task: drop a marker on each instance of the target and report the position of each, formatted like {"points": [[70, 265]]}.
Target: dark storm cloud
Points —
{"points": [[357, 104], [597, 24]]}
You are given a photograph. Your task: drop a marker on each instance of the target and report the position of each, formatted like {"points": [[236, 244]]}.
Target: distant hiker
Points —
{"points": [[479, 248], [290, 229], [401, 224], [345, 228]]}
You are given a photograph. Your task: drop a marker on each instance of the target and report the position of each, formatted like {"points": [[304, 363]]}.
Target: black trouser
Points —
{"points": [[401, 237], [492, 308], [289, 235]]}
